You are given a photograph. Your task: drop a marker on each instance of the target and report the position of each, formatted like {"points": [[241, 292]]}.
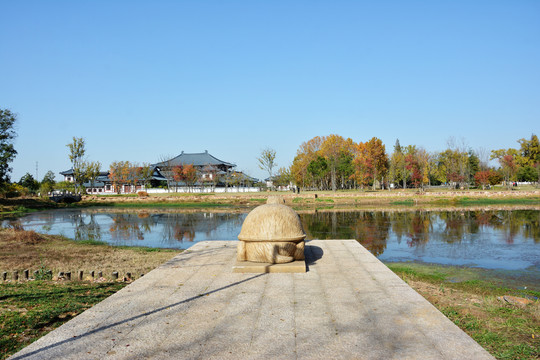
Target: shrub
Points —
{"points": [[142, 194]]}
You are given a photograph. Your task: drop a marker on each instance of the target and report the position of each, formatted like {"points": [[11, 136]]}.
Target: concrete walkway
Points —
{"points": [[348, 305]]}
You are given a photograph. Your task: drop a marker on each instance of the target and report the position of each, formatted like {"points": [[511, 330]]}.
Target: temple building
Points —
{"points": [[211, 175]]}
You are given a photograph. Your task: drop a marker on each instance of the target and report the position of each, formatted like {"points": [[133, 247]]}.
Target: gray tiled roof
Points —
{"points": [[197, 159]]}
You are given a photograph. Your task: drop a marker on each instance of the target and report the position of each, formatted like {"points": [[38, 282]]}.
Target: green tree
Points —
{"points": [[7, 150], [76, 156], [49, 178], [28, 181], [318, 169], [93, 169], [47, 184], [283, 177]]}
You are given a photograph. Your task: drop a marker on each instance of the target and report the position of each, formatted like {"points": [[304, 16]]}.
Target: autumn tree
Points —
{"points": [[307, 152], [119, 173], [362, 165], [507, 161], [378, 164], [178, 175], [190, 175]]}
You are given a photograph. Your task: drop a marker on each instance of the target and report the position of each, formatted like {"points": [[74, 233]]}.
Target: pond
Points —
{"points": [[491, 239]]}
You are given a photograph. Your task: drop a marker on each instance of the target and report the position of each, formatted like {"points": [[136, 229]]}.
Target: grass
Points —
{"points": [[465, 201], [470, 299], [29, 250], [408, 202], [29, 310]]}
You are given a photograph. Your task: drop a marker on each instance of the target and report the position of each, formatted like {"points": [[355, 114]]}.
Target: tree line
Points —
{"points": [[333, 162]]}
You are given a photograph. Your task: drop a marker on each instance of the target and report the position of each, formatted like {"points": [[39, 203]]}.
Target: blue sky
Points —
{"points": [[140, 79]]}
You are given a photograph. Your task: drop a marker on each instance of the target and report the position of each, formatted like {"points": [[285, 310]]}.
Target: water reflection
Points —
{"points": [[418, 226], [159, 229], [486, 238]]}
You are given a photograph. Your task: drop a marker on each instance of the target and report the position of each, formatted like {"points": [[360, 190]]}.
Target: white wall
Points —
{"points": [[206, 190]]}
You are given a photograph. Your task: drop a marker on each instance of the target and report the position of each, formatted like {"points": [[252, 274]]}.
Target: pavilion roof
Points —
{"points": [[196, 159]]}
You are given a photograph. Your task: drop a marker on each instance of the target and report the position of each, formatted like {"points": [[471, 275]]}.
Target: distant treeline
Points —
{"points": [[333, 162]]}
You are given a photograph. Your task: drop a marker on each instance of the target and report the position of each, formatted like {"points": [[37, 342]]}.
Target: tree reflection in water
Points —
{"points": [[374, 228], [393, 232]]}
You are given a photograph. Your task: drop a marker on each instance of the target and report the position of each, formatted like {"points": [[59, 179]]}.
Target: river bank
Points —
{"points": [[308, 199]]}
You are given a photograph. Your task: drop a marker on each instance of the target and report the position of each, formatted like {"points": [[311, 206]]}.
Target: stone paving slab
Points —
{"points": [[348, 305]]}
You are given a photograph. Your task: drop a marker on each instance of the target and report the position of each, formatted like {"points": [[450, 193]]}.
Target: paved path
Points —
{"points": [[347, 306]]}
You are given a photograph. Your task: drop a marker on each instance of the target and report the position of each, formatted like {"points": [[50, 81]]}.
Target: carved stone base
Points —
{"points": [[273, 252], [298, 266]]}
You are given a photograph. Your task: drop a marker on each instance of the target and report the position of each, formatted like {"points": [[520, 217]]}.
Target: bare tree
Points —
{"points": [[166, 169], [267, 161]]}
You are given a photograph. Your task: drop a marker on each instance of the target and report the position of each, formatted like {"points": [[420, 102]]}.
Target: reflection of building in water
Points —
{"points": [[184, 227]]}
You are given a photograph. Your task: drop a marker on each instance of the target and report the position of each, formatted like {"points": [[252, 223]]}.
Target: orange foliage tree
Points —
{"points": [[190, 175]]}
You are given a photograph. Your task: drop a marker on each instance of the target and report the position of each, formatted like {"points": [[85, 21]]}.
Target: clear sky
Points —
{"points": [[142, 79]]}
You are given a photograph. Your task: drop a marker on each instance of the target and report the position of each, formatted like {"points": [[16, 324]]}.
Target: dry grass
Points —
{"points": [[30, 250]]}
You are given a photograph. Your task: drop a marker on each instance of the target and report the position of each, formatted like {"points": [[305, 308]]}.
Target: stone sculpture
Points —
{"points": [[271, 233]]}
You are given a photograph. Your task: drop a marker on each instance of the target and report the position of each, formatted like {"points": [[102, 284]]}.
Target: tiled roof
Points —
{"points": [[196, 159]]}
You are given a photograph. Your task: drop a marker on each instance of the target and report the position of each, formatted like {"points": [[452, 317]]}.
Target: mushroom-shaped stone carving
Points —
{"points": [[271, 233]]}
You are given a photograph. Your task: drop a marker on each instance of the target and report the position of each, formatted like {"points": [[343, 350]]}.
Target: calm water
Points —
{"points": [[495, 239]]}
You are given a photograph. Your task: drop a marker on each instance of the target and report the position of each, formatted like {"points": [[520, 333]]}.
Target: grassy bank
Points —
{"points": [[29, 250], [30, 309], [472, 299]]}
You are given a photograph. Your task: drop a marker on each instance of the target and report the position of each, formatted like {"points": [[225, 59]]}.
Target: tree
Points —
{"points": [[378, 164], [190, 175], [507, 160], [267, 161], [178, 175], [165, 169], [332, 148], [7, 150], [307, 152], [398, 170], [146, 174], [47, 184], [49, 178], [318, 169], [362, 165], [28, 181], [283, 177], [93, 170], [481, 178], [76, 156], [119, 174]]}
